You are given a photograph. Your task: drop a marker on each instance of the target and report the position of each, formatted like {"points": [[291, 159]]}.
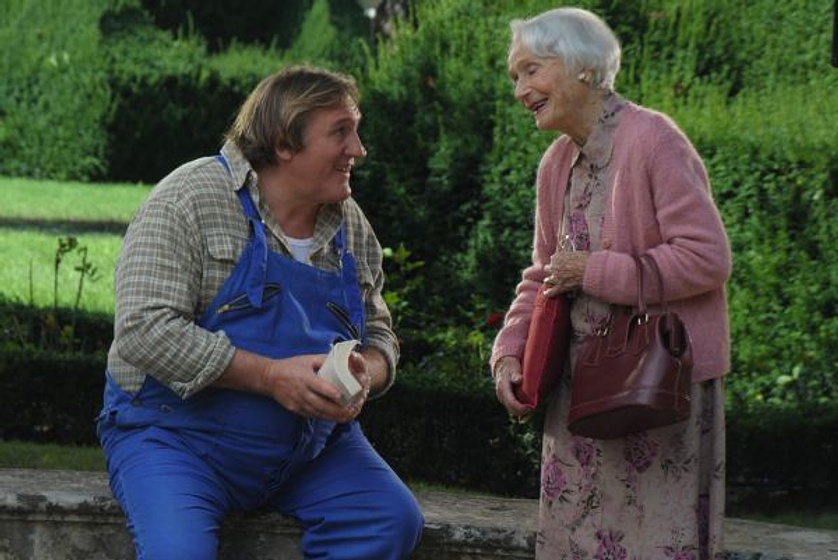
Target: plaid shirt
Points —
{"points": [[180, 248]]}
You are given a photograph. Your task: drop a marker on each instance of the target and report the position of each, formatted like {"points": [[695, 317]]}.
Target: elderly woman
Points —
{"points": [[621, 182]]}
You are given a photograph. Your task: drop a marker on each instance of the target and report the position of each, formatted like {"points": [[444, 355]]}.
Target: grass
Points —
{"points": [[15, 454], [26, 455], [32, 252], [52, 207], [32, 199], [51, 210], [827, 521]]}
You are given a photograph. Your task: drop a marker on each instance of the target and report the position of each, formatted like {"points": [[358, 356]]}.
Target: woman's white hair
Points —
{"points": [[579, 38]]}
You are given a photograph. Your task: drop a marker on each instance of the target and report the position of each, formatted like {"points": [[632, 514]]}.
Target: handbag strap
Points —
{"points": [[674, 329], [642, 307], [641, 302], [653, 264]]}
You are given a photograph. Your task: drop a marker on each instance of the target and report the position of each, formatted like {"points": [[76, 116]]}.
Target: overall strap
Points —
{"points": [[258, 243]]}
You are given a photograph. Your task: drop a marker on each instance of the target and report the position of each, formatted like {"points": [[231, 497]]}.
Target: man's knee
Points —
{"points": [[174, 544], [401, 523]]}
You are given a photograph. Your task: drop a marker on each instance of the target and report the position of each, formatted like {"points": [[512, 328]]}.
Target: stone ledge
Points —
{"points": [[70, 515]]}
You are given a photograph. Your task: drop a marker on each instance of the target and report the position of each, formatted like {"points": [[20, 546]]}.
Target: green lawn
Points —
{"points": [[32, 199], [25, 455], [28, 271], [49, 211]]}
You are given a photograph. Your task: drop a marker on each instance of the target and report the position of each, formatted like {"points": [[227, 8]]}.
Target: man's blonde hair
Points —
{"points": [[275, 114]]}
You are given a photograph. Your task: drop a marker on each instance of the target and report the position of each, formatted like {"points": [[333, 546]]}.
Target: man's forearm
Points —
{"points": [[246, 372], [378, 369]]}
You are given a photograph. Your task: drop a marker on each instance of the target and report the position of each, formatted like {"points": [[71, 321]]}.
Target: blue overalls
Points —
{"points": [[178, 466]]}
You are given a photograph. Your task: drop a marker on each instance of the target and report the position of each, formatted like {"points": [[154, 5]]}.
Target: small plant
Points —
{"points": [[85, 268], [40, 330]]}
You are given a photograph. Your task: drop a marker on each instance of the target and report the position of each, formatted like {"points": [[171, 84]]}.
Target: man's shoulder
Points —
{"points": [[204, 174], [202, 181], [199, 191]]}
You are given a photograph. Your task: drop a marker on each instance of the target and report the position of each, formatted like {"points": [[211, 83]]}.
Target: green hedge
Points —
{"points": [[170, 104], [60, 330], [440, 423], [96, 90], [49, 396], [221, 22], [52, 364], [54, 96], [453, 437], [447, 435], [783, 456]]}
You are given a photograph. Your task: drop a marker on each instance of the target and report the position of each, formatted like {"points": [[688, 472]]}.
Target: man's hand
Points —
{"points": [[293, 383], [358, 367]]}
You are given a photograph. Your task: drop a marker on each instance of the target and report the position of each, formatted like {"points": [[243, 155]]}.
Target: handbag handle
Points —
{"points": [[677, 337], [642, 307], [653, 264], [641, 302]]}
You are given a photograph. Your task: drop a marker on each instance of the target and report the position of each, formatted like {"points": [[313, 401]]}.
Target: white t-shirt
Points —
{"points": [[300, 248]]}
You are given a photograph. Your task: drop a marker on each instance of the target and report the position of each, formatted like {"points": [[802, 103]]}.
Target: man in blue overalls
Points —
{"points": [[236, 276]]}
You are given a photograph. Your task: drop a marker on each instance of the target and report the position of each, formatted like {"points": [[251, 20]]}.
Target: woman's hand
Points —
{"points": [[566, 272], [507, 377]]}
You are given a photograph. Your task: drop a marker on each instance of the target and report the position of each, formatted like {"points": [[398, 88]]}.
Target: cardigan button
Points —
{"points": [[606, 243]]}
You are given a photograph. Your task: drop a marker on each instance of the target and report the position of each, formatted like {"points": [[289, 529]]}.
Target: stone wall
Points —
{"points": [[70, 515]]}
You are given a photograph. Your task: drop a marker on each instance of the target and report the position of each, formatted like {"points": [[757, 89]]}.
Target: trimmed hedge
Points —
{"points": [[780, 457], [222, 22], [52, 364], [453, 437], [430, 429], [54, 96], [440, 423], [50, 396], [61, 330], [450, 437], [170, 104]]}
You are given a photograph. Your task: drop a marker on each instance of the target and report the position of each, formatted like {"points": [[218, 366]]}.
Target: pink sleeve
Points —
{"points": [[694, 257], [689, 244], [512, 337]]}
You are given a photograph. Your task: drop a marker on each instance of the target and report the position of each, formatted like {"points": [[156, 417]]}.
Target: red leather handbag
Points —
{"points": [[636, 374], [546, 349]]}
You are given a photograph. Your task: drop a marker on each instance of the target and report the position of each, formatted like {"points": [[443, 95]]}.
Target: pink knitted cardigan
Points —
{"points": [[661, 205]]}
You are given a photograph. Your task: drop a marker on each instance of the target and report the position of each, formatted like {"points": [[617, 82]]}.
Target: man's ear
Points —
{"points": [[284, 153]]}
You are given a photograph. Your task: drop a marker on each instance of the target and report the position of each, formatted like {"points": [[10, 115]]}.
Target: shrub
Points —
{"points": [[222, 22], [783, 456], [54, 97], [452, 437], [50, 396], [783, 294], [52, 365], [173, 101], [169, 105]]}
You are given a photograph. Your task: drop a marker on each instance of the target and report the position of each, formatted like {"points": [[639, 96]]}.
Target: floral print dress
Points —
{"points": [[657, 495]]}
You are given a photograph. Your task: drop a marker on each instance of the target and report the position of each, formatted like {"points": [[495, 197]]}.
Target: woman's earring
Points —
{"points": [[582, 77]]}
